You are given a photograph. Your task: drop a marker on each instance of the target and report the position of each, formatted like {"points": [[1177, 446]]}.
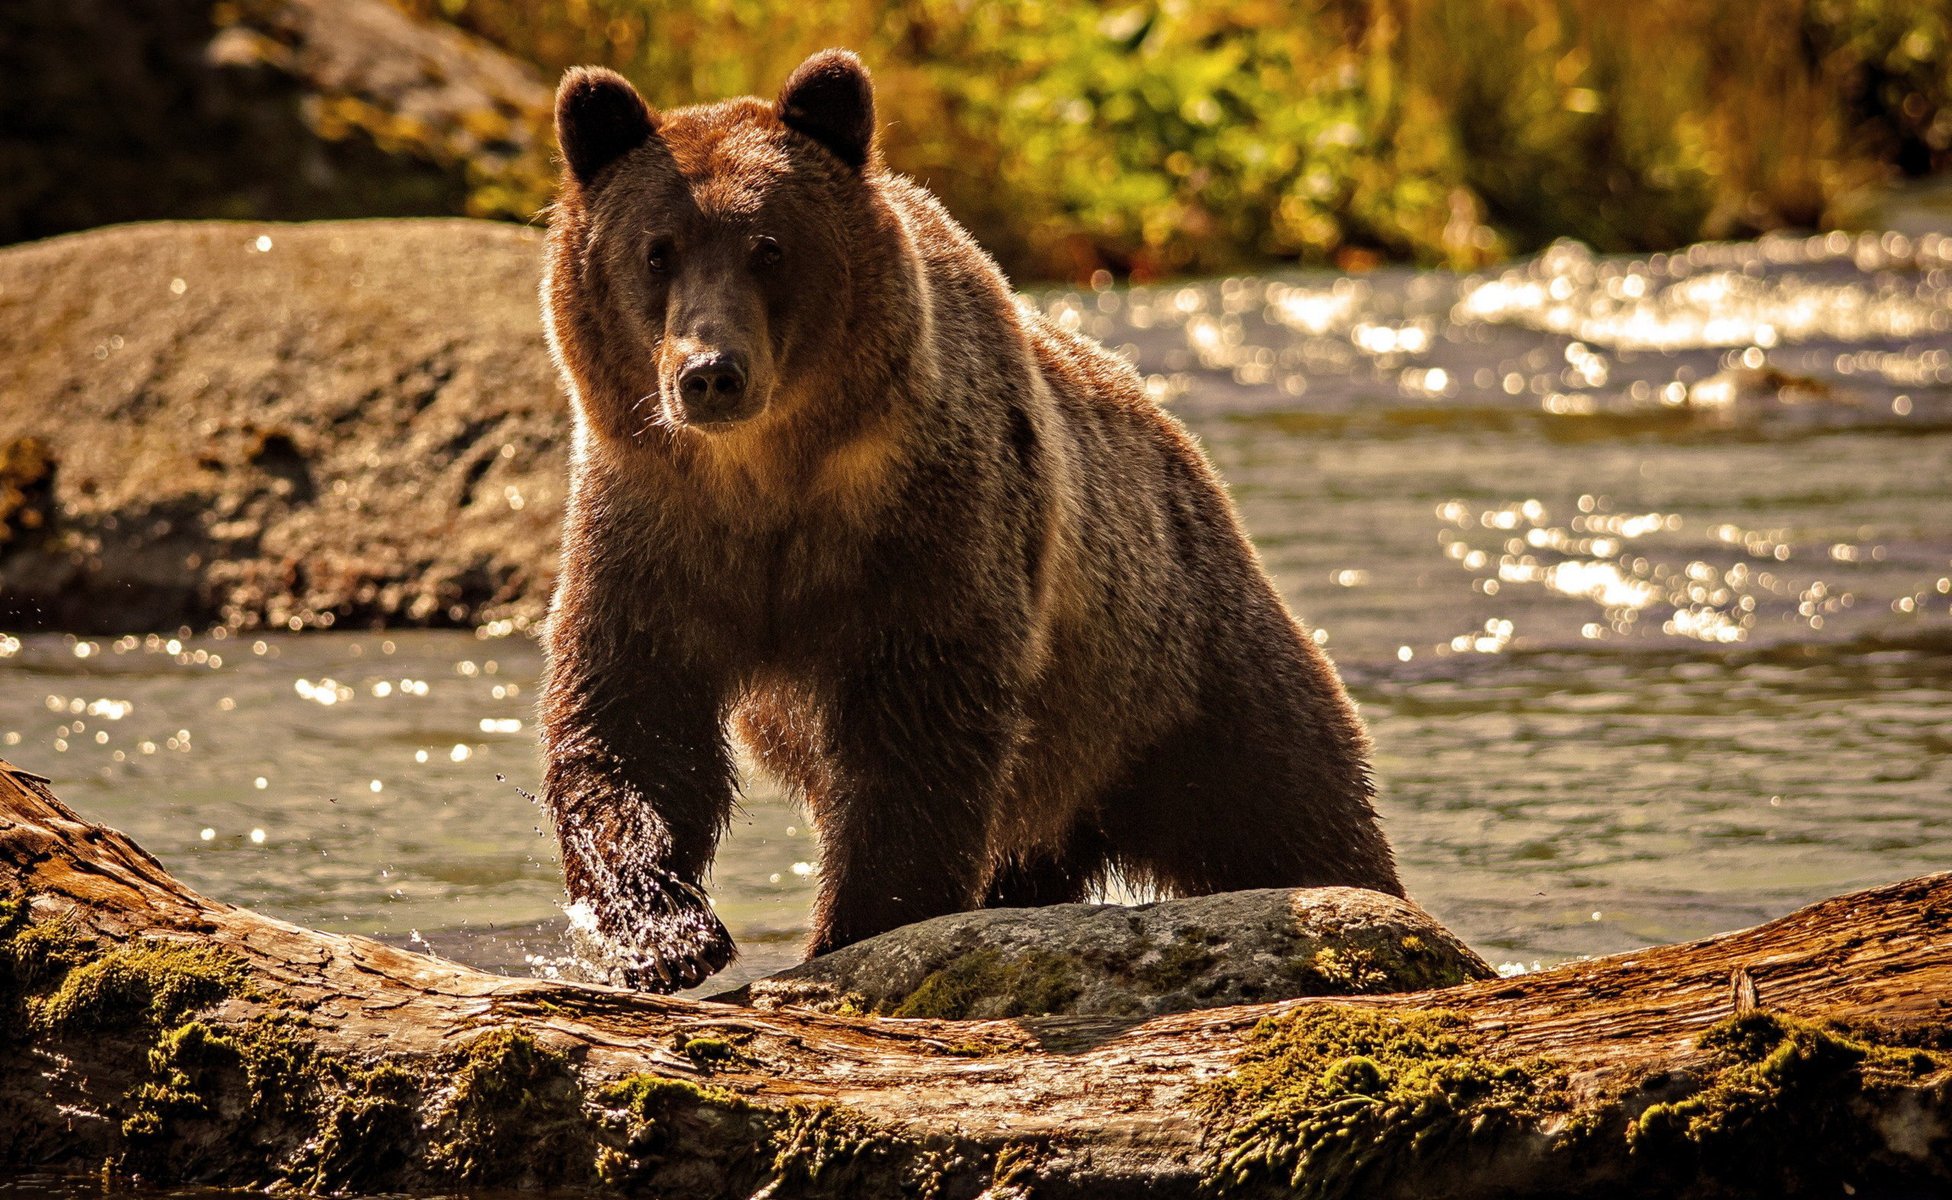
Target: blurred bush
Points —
{"points": [[1178, 136], [1171, 137], [123, 110]]}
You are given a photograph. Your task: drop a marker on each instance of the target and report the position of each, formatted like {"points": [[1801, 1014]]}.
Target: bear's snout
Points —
{"points": [[712, 387]]}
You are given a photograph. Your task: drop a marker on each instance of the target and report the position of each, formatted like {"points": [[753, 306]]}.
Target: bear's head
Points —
{"points": [[705, 262]]}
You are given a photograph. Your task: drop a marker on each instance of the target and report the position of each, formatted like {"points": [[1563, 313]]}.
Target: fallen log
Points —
{"points": [[157, 1035]]}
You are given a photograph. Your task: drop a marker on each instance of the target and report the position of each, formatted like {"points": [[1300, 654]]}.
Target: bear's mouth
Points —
{"points": [[713, 414]]}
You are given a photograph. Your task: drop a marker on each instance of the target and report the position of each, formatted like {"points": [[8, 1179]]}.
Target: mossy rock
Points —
{"points": [[1139, 960]]}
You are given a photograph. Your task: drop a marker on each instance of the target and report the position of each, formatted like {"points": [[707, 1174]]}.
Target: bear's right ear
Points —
{"points": [[828, 98], [599, 119]]}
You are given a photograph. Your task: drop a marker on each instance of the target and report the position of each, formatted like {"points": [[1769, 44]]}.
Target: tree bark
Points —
{"points": [[178, 1038]]}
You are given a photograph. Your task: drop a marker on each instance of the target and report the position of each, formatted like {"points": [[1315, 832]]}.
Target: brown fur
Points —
{"points": [[947, 570]]}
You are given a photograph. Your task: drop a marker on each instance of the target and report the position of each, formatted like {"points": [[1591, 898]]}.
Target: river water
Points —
{"points": [[1641, 570]]}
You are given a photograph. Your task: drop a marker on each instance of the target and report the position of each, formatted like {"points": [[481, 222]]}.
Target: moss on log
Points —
{"points": [[162, 1036]]}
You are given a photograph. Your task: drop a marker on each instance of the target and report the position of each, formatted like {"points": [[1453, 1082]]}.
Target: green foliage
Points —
{"points": [[1169, 137]]}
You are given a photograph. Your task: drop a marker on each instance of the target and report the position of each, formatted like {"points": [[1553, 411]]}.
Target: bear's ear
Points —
{"points": [[599, 119], [830, 99]]}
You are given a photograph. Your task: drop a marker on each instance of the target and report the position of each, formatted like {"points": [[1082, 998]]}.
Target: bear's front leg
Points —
{"points": [[639, 780], [919, 743]]}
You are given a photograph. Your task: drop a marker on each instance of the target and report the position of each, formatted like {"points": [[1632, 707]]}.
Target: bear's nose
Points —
{"points": [[711, 381]]}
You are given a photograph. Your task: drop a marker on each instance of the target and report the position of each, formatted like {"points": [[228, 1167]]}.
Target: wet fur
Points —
{"points": [[974, 598]]}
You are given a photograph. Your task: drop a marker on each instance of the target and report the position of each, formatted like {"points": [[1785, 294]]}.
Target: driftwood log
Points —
{"points": [[152, 1034]]}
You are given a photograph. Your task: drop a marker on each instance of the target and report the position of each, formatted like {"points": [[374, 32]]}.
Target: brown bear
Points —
{"points": [[949, 573]]}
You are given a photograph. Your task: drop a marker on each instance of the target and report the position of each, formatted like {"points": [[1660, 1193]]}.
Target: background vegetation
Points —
{"points": [[1146, 139], [1185, 136]]}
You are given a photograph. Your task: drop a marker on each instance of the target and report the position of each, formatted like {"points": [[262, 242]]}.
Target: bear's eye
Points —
{"points": [[658, 259], [766, 253]]}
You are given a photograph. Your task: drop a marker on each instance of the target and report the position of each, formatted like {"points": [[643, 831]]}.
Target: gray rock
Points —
{"points": [[1139, 960]]}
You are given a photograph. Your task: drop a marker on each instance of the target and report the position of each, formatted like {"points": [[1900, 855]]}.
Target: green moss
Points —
{"points": [[1176, 966], [853, 1004], [1328, 1101], [185, 1062], [1347, 971], [154, 983], [1015, 1170], [652, 1098], [709, 1052], [1407, 965], [256, 1104], [33, 956], [673, 1135], [830, 1149], [252, 1104], [1001, 985], [228, 1104], [368, 1135], [669, 1136], [1779, 1107], [1418, 965], [515, 1115], [284, 1073]]}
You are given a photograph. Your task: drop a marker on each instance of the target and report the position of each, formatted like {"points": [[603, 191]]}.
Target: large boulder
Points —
{"points": [[263, 425], [1139, 960]]}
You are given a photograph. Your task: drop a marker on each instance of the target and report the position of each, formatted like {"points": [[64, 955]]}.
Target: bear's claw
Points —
{"points": [[672, 966], [663, 935]]}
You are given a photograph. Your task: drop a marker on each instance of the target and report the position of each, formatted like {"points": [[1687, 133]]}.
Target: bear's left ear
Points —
{"points": [[830, 99], [599, 119]]}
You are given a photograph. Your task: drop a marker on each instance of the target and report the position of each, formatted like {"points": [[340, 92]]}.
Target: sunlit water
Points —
{"points": [[1640, 569]]}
